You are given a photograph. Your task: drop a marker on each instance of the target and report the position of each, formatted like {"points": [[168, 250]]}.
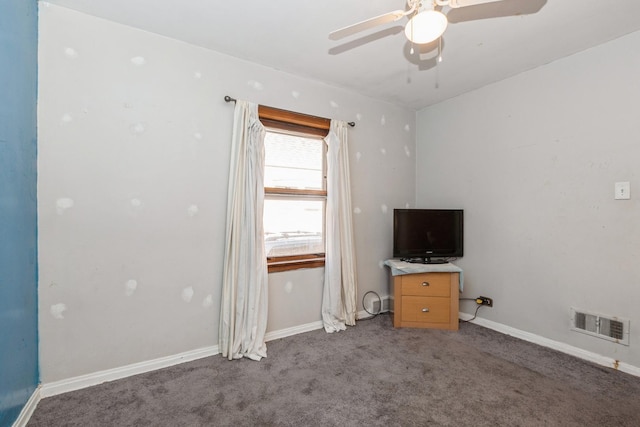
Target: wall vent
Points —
{"points": [[375, 306], [610, 328]]}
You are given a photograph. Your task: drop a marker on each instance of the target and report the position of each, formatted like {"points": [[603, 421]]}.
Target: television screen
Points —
{"points": [[427, 235]]}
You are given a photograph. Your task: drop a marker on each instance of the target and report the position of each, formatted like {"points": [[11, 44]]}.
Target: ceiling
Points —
{"points": [[483, 43]]}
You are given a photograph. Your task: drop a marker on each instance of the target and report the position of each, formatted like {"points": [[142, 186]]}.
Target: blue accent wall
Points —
{"points": [[18, 206]]}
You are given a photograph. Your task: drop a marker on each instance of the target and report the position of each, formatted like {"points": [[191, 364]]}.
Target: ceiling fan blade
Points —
{"points": [[454, 4], [369, 23], [496, 9]]}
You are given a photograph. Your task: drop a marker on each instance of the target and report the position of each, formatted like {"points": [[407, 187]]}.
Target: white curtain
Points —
{"points": [[243, 315], [339, 293]]}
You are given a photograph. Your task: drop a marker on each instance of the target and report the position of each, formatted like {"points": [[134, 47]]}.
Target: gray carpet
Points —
{"points": [[370, 375]]}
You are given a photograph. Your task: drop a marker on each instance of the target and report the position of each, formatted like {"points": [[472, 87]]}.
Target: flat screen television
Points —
{"points": [[430, 236]]}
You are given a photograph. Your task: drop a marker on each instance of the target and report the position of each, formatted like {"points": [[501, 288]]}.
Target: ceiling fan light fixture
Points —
{"points": [[426, 26]]}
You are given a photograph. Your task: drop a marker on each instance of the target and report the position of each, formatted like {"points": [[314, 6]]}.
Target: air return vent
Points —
{"points": [[610, 328]]}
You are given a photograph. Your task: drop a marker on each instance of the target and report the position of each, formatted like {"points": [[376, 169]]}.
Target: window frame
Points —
{"points": [[277, 120]]}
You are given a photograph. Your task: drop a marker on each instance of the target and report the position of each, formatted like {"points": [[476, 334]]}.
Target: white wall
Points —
{"points": [[533, 161], [133, 162]]}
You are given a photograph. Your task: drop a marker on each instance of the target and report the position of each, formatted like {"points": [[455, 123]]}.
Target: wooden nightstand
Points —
{"points": [[424, 296]]}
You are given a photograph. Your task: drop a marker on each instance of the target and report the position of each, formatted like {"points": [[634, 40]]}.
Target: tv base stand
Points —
{"points": [[425, 260]]}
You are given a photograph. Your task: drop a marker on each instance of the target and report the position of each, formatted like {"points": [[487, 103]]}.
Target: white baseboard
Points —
{"points": [[364, 315], [282, 333], [28, 409], [95, 378], [555, 345]]}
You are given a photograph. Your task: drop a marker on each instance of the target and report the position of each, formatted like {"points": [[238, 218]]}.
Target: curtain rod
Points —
{"points": [[227, 98]]}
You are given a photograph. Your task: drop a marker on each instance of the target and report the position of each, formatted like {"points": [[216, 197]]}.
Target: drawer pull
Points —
{"points": [[425, 283], [425, 310]]}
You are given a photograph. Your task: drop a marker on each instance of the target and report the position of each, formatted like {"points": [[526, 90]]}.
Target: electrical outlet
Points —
{"points": [[623, 191], [484, 301]]}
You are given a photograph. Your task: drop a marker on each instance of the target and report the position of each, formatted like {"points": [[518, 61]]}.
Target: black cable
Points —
{"points": [[474, 315], [371, 315]]}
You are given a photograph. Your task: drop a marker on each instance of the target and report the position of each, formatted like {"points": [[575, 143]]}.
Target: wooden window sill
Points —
{"points": [[275, 265]]}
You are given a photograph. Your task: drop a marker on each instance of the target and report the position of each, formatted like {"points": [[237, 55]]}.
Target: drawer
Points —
{"points": [[427, 284], [425, 309]]}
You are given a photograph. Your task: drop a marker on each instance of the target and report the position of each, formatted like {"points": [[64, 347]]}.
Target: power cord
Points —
{"points": [[371, 315], [474, 315], [477, 301]]}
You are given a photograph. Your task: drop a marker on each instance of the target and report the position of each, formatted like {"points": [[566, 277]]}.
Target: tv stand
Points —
{"points": [[424, 296], [425, 260]]}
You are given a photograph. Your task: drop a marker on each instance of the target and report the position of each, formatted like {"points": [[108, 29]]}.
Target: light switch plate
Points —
{"points": [[623, 191]]}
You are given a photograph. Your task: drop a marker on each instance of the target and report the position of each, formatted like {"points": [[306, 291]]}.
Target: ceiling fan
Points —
{"points": [[425, 25]]}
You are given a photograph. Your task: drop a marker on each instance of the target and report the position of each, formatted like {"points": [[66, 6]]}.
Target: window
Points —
{"points": [[295, 190]]}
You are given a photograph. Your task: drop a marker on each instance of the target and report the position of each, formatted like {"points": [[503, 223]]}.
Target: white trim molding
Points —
{"points": [[95, 378], [283, 333], [555, 345], [28, 408]]}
